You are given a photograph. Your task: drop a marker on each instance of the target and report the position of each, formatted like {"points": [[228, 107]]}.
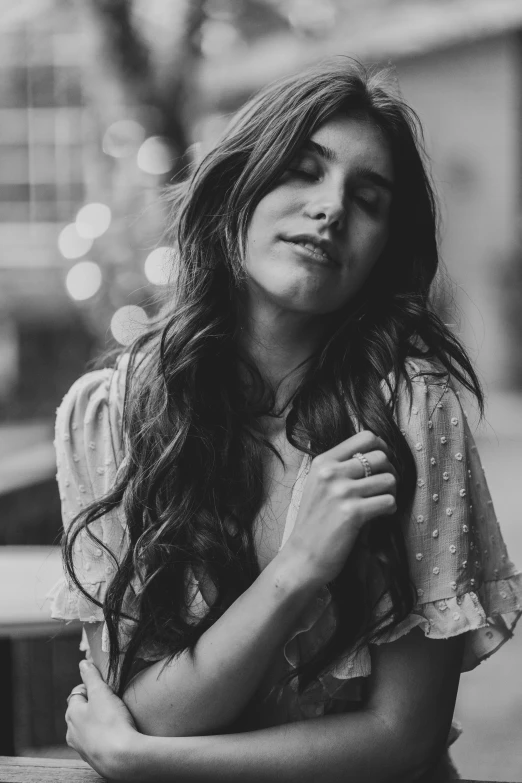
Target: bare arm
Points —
{"points": [[397, 736], [205, 693]]}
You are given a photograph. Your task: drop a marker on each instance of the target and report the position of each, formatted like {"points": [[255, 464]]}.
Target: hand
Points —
{"points": [[99, 725], [337, 501]]}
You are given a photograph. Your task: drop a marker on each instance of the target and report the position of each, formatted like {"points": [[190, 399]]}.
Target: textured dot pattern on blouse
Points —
{"points": [[88, 452], [456, 552], [443, 485]]}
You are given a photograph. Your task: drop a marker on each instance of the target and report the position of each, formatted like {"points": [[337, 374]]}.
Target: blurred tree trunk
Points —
{"points": [[146, 63]]}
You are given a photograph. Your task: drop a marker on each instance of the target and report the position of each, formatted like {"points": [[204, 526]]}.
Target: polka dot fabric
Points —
{"points": [[88, 454], [459, 563], [458, 560]]}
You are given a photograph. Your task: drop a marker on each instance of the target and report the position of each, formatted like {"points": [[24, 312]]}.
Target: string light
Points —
{"points": [[71, 244], [158, 266], [128, 323], [122, 138], [154, 156], [83, 280], [93, 220]]}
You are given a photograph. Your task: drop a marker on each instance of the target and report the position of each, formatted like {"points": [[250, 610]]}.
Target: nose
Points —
{"points": [[328, 207]]}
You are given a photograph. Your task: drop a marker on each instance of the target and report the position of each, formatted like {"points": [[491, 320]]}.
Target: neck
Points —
{"points": [[279, 341]]}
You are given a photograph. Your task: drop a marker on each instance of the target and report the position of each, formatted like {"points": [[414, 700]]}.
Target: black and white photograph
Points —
{"points": [[260, 391]]}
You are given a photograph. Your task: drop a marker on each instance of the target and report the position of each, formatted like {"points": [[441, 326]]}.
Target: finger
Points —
{"points": [[372, 507], [91, 676], [363, 441], [75, 711], [69, 738], [380, 484], [79, 691], [378, 461], [354, 469]]}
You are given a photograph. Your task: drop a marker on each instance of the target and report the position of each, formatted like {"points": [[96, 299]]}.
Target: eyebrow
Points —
{"points": [[364, 172]]}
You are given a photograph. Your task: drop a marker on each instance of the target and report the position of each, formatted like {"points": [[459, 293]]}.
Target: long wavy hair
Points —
{"points": [[191, 483]]}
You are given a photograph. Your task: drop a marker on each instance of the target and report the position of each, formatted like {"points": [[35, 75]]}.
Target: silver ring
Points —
{"points": [[77, 692], [364, 462]]}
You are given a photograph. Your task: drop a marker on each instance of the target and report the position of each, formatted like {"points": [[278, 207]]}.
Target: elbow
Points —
{"points": [[419, 762], [411, 758], [166, 722], [153, 723]]}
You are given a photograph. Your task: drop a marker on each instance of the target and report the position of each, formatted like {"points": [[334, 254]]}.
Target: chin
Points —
{"points": [[297, 293], [305, 304]]}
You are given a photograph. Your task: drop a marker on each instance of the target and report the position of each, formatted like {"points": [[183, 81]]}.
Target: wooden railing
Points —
{"points": [[24, 770]]}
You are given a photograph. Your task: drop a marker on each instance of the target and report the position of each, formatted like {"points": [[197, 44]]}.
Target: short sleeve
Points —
{"points": [[89, 452], [459, 564]]}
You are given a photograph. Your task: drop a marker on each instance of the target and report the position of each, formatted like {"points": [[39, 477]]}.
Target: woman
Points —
{"points": [[285, 553]]}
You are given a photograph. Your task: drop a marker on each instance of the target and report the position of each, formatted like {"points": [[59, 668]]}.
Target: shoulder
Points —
{"points": [[426, 392], [88, 436], [95, 389]]}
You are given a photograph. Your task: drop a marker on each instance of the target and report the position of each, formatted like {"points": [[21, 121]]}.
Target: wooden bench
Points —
{"points": [[26, 575], [25, 770]]}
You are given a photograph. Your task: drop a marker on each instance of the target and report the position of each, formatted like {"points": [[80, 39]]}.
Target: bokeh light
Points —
{"points": [[218, 35], [158, 266], [83, 280], [127, 323], [122, 138], [154, 156], [311, 16], [93, 220], [71, 244]]}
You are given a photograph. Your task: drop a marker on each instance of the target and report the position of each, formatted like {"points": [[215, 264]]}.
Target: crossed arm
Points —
{"points": [[396, 736], [184, 708]]}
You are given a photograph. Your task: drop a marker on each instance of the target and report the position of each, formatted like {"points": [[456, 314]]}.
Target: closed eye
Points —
{"points": [[369, 200], [303, 173]]}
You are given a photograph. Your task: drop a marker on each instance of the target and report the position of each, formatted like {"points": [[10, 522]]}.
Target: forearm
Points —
{"points": [[344, 748], [206, 692]]}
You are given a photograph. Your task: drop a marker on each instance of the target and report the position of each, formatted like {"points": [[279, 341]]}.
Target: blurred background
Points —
{"points": [[102, 103]]}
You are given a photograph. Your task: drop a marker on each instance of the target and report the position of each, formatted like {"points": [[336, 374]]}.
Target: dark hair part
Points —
{"points": [[194, 443]]}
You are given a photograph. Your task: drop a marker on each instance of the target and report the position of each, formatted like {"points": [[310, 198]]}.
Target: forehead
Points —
{"points": [[355, 141]]}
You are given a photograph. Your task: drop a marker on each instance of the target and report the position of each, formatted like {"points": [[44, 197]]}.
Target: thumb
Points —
{"points": [[90, 675]]}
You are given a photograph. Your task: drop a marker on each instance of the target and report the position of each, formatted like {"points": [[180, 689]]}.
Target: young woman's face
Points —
{"points": [[315, 237]]}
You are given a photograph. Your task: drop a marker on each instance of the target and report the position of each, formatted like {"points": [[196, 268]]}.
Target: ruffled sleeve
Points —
{"points": [[459, 564], [464, 579], [89, 452]]}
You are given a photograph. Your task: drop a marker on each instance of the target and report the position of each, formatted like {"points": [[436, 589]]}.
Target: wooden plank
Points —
{"points": [[6, 702], [31, 518], [26, 575], [40, 691], [27, 770], [28, 467]]}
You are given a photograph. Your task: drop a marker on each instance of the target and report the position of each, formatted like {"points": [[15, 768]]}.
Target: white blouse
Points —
{"points": [[458, 560]]}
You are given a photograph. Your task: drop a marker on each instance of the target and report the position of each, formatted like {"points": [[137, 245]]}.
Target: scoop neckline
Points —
{"points": [[293, 506]]}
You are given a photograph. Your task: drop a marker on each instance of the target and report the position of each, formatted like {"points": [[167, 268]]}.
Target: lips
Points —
{"points": [[317, 248]]}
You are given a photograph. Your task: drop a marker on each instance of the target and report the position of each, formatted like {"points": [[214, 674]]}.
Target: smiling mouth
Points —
{"points": [[312, 251]]}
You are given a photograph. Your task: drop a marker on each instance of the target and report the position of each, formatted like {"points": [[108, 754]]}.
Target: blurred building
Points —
{"points": [[44, 138], [68, 138], [72, 134]]}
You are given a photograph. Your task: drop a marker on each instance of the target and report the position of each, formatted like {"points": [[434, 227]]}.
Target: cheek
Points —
{"points": [[365, 249], [265, 222], [368, 242]]}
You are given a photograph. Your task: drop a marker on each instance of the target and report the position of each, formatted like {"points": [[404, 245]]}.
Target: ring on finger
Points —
{"points": [[365, 463], [77, 692]]}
